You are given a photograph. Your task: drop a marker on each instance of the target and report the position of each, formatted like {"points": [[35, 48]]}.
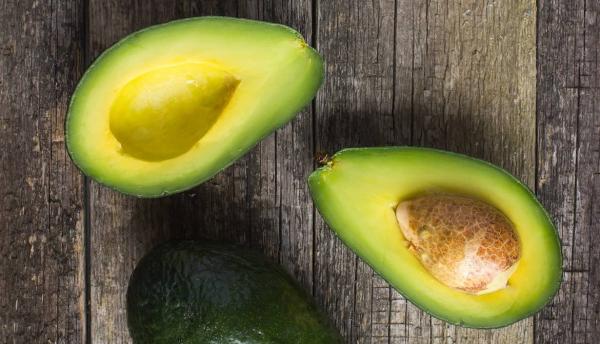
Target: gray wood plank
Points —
{"points": [[41, 219], [449, 96], [474, 93], [281, 211], [123, 229], [242, 203], [354, 108], [568, 162], [453, 92], [441, 95]]}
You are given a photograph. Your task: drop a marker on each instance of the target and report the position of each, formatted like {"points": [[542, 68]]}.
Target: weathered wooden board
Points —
{"points": [[354, 108], [463, 79], [568, 167], [260, 201], [41, 215], [474, 93], [458, 75], [123, 229]]}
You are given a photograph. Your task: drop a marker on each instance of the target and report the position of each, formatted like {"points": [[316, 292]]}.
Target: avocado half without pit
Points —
{"points": [[460, 238], [169, 106]]}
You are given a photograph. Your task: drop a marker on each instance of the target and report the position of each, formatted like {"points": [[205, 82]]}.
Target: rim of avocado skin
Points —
{"points": [[278, 73], [216, 292], [358, 189]]}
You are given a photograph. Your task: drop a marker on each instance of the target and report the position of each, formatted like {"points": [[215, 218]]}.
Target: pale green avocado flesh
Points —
{"points": [[357, 193], [168, 107]]}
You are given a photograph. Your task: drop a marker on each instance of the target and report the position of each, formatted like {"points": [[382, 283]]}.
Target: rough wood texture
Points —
{"points": [[41, 218], [458, 75], [123, 229], [474, 93], [281, 212], [464, 81], [242, 204], [569, 162], [353, 108]]}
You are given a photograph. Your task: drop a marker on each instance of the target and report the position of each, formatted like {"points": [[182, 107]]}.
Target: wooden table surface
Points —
{"points": [[513, 82]]}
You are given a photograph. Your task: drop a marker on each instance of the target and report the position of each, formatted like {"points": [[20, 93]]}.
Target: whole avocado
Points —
{"points": [[192, 292]]}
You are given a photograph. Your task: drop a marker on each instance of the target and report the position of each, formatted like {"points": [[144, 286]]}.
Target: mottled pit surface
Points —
{"points": [[464, 243]]}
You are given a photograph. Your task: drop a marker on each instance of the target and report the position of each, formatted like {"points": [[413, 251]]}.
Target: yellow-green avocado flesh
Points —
{"points": [[357, 193], [168, 107]]}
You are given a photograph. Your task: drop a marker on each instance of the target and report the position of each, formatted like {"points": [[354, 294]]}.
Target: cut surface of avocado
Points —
{"points": [[169, 106], [460, 238]]}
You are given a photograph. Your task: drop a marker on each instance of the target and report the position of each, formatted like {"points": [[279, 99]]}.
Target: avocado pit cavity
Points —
{"points": [[464, 243], [162, 113]]}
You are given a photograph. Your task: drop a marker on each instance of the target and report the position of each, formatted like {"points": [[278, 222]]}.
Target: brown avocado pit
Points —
{"points": [[464, 243]]}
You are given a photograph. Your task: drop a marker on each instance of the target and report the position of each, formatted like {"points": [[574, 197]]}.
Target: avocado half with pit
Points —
{"points": [[460, 238], [169, 106]]}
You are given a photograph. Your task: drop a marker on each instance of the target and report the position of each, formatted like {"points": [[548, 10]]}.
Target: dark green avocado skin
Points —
{"points": [[190, 292]]}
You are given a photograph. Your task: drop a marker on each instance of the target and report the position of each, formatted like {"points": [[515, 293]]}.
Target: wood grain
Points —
{"points": [[464, 81], [354, 108], [474, 93], [41, 218], [281, 211], [568, 162], [241, 204], [123, 229], [457, 74]]}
